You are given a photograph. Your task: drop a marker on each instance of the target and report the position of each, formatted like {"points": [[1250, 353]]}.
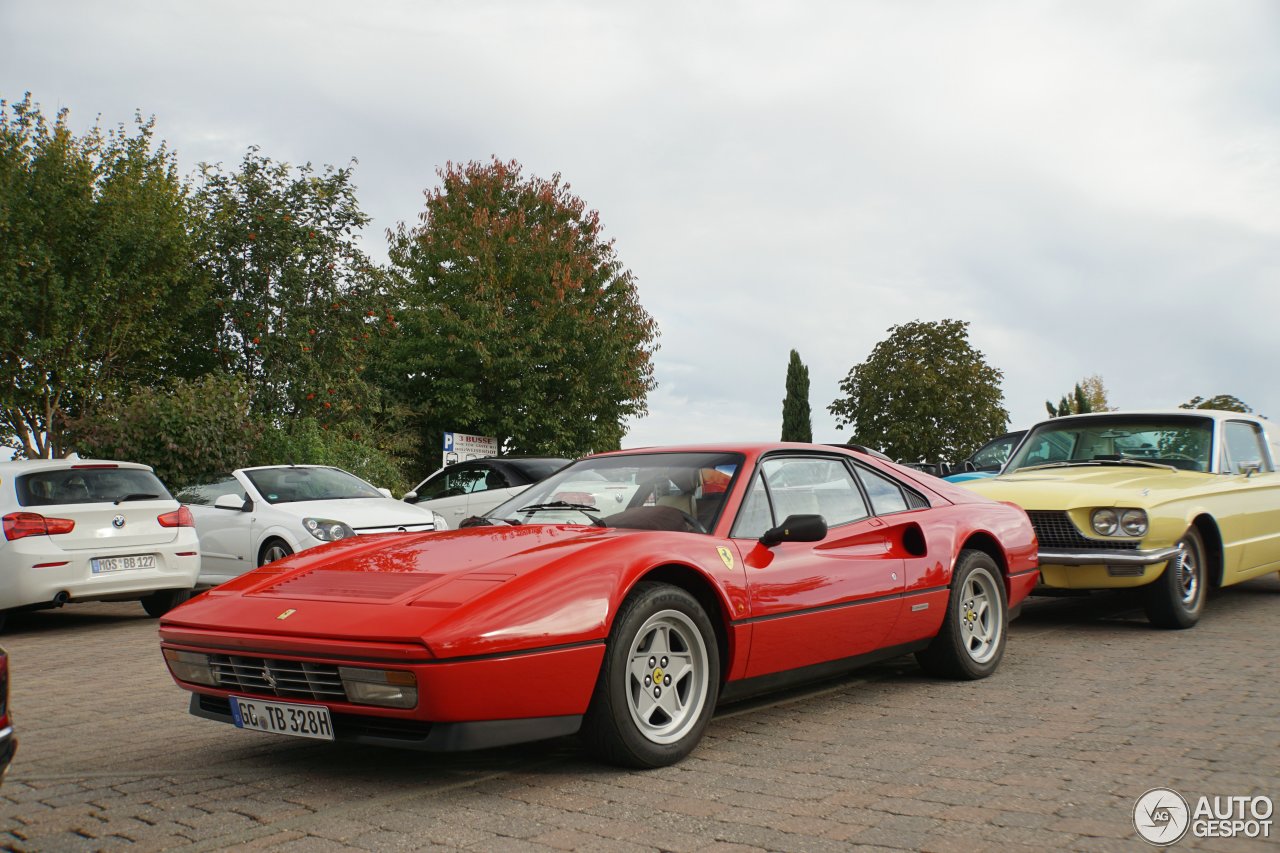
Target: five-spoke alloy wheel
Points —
{"points": [[659, 681], [971, 640]]}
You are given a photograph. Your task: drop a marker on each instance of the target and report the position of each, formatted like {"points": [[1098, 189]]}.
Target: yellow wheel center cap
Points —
{"points": [[657, 675]]}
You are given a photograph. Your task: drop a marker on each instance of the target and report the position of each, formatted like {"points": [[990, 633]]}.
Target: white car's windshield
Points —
{"points": [[1183, 443], [658, 491], [290, 484]]}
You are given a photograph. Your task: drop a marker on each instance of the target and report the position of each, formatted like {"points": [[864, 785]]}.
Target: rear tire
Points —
{"points": [[971, 641], [162, 601], [659, 680], [1176, 599]]}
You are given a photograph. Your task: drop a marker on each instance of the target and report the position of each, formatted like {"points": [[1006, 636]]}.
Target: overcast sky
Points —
{"points": [[1093, 186]]}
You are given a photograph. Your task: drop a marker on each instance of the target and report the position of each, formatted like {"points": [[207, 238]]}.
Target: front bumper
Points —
{"points": [[1062, 568]]}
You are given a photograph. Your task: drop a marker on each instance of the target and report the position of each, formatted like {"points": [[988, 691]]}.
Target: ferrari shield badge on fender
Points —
{"points": [[287, 613], [726, 556]]}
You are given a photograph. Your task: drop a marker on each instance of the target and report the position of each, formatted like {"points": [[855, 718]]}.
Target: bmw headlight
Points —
{"points": [[1106, 522], [326, 529], [1134, 522]]}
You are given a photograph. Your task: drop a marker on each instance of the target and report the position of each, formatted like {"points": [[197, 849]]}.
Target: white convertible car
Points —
{"points": [[255, 515]]}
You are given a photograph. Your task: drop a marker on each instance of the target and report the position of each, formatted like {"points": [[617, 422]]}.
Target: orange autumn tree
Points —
{"points": [[518, 319]]}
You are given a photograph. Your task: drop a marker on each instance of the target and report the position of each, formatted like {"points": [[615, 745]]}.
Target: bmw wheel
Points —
{"points": [[971, 641], [659, 680], [1176, 598]]}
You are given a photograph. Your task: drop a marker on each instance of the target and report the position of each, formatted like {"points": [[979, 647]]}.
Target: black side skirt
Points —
{"points": [[748, 687]]}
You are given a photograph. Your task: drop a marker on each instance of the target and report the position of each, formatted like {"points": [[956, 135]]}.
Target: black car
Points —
{"points": [[464, 489]]}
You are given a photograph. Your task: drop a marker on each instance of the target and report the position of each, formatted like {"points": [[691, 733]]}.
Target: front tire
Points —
{"points": [[971, 641], [1176, 599], [659, 681], [275, 549]]}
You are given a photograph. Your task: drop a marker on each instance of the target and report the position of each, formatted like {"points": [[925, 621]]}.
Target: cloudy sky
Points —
{"points": [[1093, 186]]}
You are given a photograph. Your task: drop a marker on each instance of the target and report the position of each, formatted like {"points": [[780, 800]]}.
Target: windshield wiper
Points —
{"points": [[585, 509], [1068, 463], [136, 496]]}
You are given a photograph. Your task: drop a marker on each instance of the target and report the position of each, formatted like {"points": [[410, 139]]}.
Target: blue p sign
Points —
{"points": [[448, 442]]}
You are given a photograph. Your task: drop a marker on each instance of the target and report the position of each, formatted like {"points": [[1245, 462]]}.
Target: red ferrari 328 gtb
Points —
{"points": [[622, 598]]}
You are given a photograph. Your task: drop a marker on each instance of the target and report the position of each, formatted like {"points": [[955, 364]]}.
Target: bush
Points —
{"points": [[306, 442]]}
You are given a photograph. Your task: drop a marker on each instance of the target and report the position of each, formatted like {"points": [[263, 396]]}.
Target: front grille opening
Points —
{"points": [[287, 679], [1056, 530]]}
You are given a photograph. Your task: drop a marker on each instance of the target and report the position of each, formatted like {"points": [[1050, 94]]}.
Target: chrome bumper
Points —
{"points": [[1053, 557]]}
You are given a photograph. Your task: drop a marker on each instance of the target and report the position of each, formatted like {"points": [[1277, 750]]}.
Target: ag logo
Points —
{"points": [[1161, 816], [726, 556]]}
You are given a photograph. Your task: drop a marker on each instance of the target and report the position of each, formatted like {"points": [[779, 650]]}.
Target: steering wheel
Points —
{"points": [[693, 523], [1183, 456]]}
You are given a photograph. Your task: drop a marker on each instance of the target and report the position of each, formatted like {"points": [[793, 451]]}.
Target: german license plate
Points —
{"points": [[102, 565], [282, 718]]}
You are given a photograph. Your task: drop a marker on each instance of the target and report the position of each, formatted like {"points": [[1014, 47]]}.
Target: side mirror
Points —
{"points": [[232, 502], [386, 493], [410, 497], [969, 466], [1250, 468], [797, 528]]}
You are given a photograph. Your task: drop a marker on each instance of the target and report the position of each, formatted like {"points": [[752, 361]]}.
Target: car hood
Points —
{"points": [[1065, 488], [470, 591], [358, 512]]}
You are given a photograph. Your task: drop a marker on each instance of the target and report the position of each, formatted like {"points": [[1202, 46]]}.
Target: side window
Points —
{"points": [[800, 486], [205, 494], [886, 496], [1243, 447], [492, 479], [755, 517]]}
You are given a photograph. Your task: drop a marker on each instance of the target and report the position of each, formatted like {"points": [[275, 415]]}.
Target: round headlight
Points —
{"points": [[1106, 522], [1134, 522]]}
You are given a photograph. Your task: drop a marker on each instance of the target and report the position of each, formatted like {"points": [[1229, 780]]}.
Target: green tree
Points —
{"points": [[295, 303], [1077, 404], [1221, 402], [1088, 395], [923, 393], [518, 319], [797, 421], [95, 259], [188, 430]]}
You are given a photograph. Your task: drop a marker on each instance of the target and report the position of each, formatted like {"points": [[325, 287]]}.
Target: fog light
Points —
{"points": [[190, 666], [1106, 522], [389, 688]]}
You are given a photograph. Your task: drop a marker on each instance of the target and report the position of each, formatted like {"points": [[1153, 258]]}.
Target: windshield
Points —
{"points": [[655, 491], [1184, 443], [290, 485]]}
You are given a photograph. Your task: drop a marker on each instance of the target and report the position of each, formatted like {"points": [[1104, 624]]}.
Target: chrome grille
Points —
{"points": [[1055, 530], [288, 679]]}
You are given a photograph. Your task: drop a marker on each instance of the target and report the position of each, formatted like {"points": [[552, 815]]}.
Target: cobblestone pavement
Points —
{"points": [[1090, 708]]}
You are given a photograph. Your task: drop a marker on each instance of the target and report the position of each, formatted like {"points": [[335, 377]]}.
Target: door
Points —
{"points": [[815, 602]]}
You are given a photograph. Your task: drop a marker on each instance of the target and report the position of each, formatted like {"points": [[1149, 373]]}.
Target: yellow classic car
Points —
{"points": [[1174, 501]]}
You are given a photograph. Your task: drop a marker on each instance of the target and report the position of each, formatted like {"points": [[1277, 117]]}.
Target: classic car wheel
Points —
{"points": [[275, 549], [1176, 599], [162, 601], [971, 641], [659, 680]]}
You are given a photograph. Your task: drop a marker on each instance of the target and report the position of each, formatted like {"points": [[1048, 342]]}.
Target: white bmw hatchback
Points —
{"points": [[92, 530], [253, 516]]}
